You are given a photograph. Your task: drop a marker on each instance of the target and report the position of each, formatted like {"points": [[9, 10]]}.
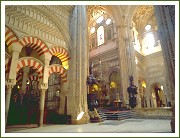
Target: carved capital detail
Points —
{"points": [[9, 87], [44, 86], [10, 83]]}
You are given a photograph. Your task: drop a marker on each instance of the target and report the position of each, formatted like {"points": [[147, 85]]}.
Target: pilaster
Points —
{"points": [[77, 98]]}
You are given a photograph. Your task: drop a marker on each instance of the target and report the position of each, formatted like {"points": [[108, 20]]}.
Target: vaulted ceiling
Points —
{"points": [[143, 15]]}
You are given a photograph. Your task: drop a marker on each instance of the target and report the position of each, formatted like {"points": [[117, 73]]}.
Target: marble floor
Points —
{"points": [[128, 126]]}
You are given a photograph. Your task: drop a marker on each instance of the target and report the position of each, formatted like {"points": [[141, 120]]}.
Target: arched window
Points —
{"points": [[101, 31], [100, 35]]}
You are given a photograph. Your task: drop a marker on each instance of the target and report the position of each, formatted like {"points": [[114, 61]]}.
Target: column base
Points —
{"points": [[84, 120], [41, 118]]}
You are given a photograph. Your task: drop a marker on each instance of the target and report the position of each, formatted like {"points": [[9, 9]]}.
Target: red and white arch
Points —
{"points": [[55, 68], [31, 62], [60, 52], [10, 36], [38, 45]]}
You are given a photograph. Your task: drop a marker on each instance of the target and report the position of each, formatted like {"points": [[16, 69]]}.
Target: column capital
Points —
{"points": [[43, 86], [10, 83], [15, 47]]}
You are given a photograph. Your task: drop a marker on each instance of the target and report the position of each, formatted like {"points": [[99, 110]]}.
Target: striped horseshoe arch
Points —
{"points": [[60, 52], [31, 62], [38, 45], [60, 70], [31, 78], [10, 37]]}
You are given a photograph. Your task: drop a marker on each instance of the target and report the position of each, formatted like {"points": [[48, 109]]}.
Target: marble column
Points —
{"points": [[41, 106], [24, 82], [8, 97], [14, 50], [43, 86], [78, 67]]}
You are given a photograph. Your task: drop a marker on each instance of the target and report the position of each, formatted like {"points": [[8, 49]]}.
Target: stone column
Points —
{"points": [[43, 86], [8, 97], [123, 61], [41, 106], [15, 49], [78, 67], [24, 82]]}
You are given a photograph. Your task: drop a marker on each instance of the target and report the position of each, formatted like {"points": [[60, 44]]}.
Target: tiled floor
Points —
{"points": [[109, 126]]}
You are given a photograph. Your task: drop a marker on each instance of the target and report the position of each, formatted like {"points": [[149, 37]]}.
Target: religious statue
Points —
{"points": [[132, 90]]}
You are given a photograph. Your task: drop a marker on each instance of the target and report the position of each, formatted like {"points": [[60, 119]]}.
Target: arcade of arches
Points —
{"points": [[48, 50]]}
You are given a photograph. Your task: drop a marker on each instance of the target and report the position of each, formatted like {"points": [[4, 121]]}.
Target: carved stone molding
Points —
{"points": [[35, 20]]}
